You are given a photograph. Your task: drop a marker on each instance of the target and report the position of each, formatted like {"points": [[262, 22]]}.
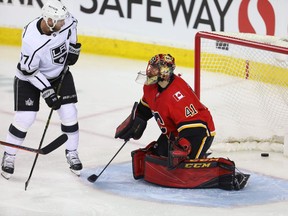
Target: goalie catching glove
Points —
{"points": [[181, 148], [178, 151], [131, 127]]}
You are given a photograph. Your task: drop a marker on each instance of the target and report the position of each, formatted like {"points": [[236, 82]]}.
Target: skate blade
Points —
{"points": [[76, 172], [6, 175]]}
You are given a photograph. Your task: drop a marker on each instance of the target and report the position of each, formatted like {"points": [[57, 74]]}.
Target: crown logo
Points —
{"points": [[29, 102]]}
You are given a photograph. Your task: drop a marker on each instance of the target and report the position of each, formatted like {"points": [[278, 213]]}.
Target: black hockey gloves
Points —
{"points": [[132, 127], [51, 98], [74, 52]]}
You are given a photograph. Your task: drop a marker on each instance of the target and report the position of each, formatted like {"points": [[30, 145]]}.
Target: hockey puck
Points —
{"points": [[264, 154]]}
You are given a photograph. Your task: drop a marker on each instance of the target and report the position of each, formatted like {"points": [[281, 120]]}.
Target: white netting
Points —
{"points": [[251, 101]]}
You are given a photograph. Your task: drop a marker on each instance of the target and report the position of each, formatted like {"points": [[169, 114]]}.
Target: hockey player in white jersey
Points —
{"points": [[49, 46]]}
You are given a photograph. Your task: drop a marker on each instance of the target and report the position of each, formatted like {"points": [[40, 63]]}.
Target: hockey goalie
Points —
{"points": [[178, 158]]}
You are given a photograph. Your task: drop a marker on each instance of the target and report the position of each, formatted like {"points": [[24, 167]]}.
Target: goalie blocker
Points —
{"points": [[197, 173], [131, 127]]}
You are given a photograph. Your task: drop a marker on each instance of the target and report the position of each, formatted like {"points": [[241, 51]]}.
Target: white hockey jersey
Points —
{"points": [[43, 56]]}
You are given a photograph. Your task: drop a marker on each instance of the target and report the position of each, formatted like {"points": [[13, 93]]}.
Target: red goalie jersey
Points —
{"points": [[178, 112], [177, 108]]}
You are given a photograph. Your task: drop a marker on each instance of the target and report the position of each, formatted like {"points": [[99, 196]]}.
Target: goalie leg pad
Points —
{"points": [[138, 157], [198, 173], [138, 163]]}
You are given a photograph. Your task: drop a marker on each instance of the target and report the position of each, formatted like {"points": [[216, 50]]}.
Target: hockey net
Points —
{"points": [[243, 79]]}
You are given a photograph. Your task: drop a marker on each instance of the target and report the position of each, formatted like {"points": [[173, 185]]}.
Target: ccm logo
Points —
{"points": [[197, 165]]}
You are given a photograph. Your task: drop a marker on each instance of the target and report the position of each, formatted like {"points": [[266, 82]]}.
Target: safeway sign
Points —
{"points": [[166, 22]]}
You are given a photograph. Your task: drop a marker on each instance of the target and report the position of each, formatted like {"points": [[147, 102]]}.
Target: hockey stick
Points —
{"points": [[121, 129], [171, 140], [46, 127], [45, 150], [92, 178]]}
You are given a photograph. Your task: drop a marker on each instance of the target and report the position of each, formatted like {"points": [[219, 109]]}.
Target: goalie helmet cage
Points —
{"points": [[245, 77]]}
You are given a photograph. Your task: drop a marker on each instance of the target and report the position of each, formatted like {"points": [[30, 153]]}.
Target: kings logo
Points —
{"points": [[59, 54], [29, 102]]}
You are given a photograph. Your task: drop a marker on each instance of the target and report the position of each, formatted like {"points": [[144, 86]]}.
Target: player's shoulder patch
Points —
{"points": [[178, 95]]}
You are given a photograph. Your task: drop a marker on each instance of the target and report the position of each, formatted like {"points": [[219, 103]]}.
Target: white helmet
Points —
{"points": [[54, 10]]}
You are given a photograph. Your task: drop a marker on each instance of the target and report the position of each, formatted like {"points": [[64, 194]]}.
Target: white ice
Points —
{"points": [[107, 91]]}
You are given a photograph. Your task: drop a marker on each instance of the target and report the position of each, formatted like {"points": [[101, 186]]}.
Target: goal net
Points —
{"points": [[243, 79]]}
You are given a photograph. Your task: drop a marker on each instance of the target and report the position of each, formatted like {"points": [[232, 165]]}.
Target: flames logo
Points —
{"points": [[266, 12]]}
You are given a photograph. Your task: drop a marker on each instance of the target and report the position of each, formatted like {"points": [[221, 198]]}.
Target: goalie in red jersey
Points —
{"points": [[186, 124], [176, 109]]}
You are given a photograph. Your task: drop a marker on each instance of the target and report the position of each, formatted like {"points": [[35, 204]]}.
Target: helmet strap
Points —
{"points": [[51, 27]]}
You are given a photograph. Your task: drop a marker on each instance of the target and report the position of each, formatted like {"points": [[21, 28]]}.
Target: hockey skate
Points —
{"points": [[7, 165], [240, 180], [74, 161]]}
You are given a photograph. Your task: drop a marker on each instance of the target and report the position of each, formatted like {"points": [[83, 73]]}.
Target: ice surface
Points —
{"points": [[107, 91]]}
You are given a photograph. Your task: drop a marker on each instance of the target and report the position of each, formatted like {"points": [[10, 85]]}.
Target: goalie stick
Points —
{"points": [[45, 150], [121, 129], [92, 178]]}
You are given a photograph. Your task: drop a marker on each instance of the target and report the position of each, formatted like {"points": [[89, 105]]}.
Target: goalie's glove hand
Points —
{"points": [[74, 52], [136, 129], [181, 148], [51, 98]]}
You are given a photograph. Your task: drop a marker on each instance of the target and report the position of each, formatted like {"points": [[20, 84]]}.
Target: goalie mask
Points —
{"points": [[55, 10], [159, 70]]}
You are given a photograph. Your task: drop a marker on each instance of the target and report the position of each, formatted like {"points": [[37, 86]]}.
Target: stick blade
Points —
{"points": [[54, 144], [92, 178], [26, 184]]}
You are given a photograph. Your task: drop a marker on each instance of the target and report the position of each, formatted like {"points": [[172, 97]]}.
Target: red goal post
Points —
{"points": [[254, 70]]}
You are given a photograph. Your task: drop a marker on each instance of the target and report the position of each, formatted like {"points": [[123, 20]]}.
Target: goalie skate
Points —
{"points": [[240, 180]]}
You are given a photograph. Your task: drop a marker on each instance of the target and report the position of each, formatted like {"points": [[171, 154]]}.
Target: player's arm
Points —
{"points": [[28, 68], [143, 110], [74, 46], [184, 116]]}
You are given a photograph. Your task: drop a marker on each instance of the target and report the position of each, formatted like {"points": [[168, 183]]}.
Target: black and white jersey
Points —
{"points": [[43, 56]]}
